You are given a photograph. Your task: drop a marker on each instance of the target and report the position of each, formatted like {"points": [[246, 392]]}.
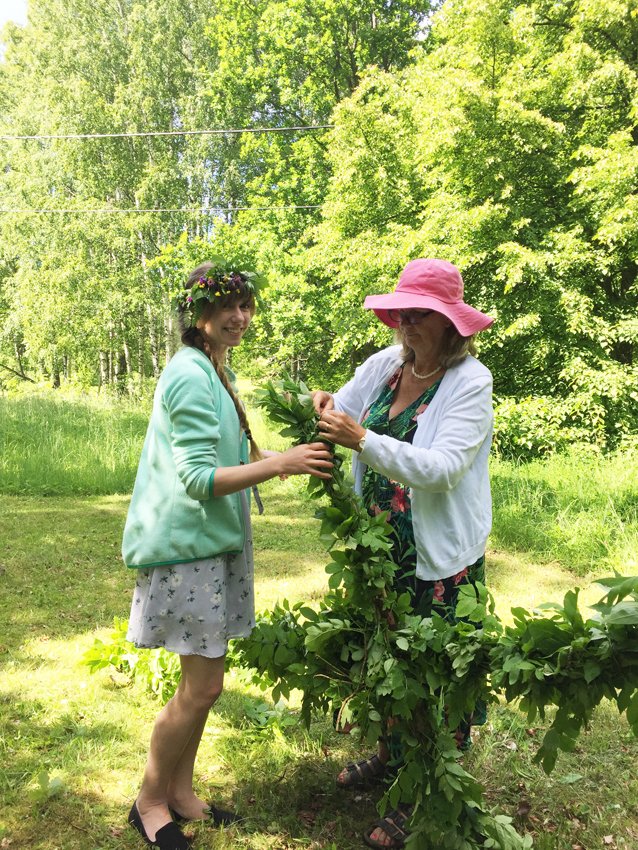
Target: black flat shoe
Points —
{"points": [[214, 816], [168, 837]]}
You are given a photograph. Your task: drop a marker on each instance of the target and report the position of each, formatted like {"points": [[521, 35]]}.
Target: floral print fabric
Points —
{"points": [[382, 494], [195, 608]]}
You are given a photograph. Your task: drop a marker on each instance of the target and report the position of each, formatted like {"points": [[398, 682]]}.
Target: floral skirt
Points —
{"points": [[195, 608], [438, 596]]}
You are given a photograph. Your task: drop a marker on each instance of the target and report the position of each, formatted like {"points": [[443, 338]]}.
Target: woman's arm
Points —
{"points": [[307, 459], [196, 430], [463, 428]]}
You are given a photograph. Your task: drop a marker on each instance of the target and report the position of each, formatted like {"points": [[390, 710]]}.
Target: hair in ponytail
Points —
{"points": [[193, 337]]}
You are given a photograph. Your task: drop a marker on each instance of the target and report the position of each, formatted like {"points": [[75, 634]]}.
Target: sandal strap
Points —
{"points": [[396, 821], [393, 825], [364, 770]]}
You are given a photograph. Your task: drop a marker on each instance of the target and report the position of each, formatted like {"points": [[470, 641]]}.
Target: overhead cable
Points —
{"points": [[220, 132], [189, 211]]}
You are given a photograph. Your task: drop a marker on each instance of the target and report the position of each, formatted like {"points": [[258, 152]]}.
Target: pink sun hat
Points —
{"points": [[430, 285]]}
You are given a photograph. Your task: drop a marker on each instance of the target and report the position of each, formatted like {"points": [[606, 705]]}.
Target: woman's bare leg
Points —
{"points": [[176, 736], [181, 796]]}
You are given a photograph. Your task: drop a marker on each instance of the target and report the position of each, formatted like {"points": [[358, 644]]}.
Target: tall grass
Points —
{"points": [[53, 446], [581, 511]]}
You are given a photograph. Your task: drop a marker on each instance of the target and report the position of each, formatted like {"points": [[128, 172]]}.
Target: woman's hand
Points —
{"points": [[307, 459], [341, 429], [322, 401]]}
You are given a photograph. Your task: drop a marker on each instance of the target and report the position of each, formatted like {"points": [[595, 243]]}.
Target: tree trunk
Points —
{"points": [[152, 338], [104, 368], [169, 328], [120, 372], [127, 354]]}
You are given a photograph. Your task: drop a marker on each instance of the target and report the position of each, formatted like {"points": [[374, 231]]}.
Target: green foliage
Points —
{"points": [[156, 669], [538, 426], [78, 67], [572, 663], [47, 788], [485, 130]]}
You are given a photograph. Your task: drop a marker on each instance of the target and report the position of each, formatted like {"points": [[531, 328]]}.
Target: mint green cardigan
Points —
{"points": [[173, 517]]}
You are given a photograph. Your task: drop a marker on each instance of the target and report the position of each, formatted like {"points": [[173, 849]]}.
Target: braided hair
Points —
{"points": [[194, 338]]}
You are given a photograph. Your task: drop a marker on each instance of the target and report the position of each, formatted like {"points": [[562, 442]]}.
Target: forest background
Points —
{"points": [[497, 134]]}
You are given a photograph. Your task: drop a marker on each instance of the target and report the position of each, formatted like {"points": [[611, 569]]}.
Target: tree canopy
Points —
{"points": [[500, 135]]}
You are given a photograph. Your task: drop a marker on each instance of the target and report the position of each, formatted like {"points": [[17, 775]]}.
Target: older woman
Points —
{"points": [[418, 417]]}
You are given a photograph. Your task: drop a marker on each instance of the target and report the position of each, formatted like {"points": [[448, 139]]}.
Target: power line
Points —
{"points": [[222, 132], [188, 211]]}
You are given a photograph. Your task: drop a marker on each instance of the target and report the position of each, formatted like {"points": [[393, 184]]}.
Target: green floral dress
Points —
{"points": [[383, 494]]}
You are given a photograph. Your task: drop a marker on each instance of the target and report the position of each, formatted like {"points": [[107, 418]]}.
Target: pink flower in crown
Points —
{"points": [[399, 502], [458, 578], [439, 591], [420, 409], [394, 380]]}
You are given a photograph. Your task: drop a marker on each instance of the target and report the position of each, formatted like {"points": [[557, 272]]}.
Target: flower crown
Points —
{"points": [[216, 283]]}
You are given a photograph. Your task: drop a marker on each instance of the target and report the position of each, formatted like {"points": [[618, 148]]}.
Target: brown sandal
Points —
{"points": [[361, 773], [394, 826]]}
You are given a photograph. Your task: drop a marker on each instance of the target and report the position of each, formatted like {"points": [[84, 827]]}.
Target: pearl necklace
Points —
{"points": [[425, 377]]}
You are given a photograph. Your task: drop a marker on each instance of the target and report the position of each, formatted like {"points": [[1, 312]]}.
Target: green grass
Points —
{"points": [[51, 446], [579, 511], [63, 582]]}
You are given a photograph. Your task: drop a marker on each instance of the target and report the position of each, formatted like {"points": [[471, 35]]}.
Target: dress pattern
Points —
{"points": [[383, 494], [195, 608]]}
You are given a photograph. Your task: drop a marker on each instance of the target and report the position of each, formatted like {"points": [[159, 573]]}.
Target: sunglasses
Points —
{"points": [[409, 317]]}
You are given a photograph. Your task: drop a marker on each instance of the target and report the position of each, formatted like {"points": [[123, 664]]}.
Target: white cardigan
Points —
{"points": [[446, 466]]}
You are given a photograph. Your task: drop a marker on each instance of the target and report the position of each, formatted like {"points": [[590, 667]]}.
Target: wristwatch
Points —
{"points": [[362, 442]]}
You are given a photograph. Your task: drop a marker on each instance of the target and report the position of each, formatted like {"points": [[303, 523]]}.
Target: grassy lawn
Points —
{"points": [[73, 744]]}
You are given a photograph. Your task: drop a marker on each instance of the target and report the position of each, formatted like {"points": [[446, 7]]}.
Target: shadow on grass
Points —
{"points": [[285, 778], [56, 751], [285, 790]]}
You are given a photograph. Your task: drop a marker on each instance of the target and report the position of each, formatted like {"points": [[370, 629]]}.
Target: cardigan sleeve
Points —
{"points": [[348, 399], [352, 397], [464, 426], [194, 430]]}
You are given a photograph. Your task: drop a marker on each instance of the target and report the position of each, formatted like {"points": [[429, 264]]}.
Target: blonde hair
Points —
{"points": [[454, 348], [193, 337]]}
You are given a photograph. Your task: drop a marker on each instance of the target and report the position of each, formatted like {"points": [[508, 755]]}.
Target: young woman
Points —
{"points": [[188, 537]]}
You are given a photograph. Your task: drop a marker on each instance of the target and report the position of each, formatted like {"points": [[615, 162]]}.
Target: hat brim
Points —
{"points": [[467, 320]]}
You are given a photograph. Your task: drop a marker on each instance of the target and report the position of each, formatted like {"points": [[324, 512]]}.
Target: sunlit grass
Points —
{"points": [[63, 582], [52, 446], [581, 512], [62, 589]]}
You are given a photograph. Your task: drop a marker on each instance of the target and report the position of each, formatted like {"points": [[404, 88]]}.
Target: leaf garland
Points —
{"points": [[366, 651]]}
